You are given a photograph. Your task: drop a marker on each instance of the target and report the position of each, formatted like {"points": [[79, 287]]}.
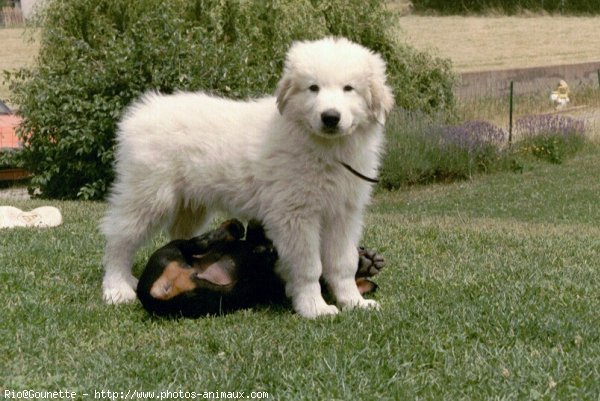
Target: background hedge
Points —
{"points": [[508, 6], [98, 55]]}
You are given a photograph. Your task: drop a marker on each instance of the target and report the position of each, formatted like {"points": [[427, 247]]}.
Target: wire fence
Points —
{"points": [[11, 17], [502, 98]]}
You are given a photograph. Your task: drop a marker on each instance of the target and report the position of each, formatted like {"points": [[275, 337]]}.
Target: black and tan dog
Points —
{"points": [[220, 272]]}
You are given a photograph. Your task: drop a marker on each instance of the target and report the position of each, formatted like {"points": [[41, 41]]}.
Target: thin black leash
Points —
{"points": [[359, 175]]}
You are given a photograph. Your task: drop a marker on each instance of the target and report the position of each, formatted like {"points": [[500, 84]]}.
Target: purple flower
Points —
{"points": [[472, 136], [546, 124]]}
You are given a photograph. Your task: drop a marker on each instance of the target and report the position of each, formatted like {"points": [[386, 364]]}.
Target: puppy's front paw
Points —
{"points": [[313, 307], [361, 304], [117, 291]]}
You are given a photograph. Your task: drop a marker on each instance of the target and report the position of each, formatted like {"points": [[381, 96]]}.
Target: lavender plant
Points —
{"points": [[422, 150], [550, 137], [473, 136], [472, 147], [546, 124]]}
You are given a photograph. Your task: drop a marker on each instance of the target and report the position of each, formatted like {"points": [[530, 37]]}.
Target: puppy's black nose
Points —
{"points": [[330, 118]]}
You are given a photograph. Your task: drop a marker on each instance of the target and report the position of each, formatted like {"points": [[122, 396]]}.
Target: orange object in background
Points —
{"points": [[9, 122], [8, 125]]}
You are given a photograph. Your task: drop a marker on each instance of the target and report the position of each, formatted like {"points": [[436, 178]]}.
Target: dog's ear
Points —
{"points": [[233, 228], [381, 98], [285, 87], [218, 273], [283, 92]]}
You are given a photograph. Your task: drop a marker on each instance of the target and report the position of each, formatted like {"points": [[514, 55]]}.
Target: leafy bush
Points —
{"points": [[550, 138], [421, 149], [508, 6], [97, 56]]}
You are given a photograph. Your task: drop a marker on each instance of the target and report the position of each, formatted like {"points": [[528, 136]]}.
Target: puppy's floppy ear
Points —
{"points": [[381, 99], [283, 92], [285, 87], [218, 273]]}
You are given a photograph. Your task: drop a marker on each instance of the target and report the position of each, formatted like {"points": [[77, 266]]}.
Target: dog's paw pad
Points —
{"points": [[370, 263]]}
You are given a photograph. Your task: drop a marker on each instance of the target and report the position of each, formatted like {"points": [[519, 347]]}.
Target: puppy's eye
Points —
{"points": [[348, 88], [313, 88]]}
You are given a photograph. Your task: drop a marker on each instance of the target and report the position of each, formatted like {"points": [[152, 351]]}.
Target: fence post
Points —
{"points": [[598, 78], [510, 114]]}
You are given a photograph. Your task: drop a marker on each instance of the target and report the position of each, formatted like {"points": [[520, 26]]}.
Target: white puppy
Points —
{"points": [[277, 159]]}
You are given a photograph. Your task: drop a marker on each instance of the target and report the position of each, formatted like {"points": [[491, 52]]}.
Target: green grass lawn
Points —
{"points": [[492, 291]]}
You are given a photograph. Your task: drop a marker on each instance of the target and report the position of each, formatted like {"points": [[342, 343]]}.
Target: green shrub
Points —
{"points": [[97, 56], [508, 6]]}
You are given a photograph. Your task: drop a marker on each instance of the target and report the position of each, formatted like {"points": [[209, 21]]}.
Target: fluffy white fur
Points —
{"points": [[180, 157]]}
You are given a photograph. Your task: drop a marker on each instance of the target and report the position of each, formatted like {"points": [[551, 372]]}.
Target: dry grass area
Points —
{"points": [[487, 43], [16, 50]]}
